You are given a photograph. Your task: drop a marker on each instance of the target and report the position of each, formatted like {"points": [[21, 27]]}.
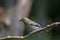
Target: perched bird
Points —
{"points": [[33, 25]]}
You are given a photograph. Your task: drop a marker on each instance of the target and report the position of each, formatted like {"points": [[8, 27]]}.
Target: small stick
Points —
{"points": [[34, 32]]}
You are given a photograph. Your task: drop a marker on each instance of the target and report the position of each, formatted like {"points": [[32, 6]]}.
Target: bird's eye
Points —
{"points": [[31, 24]]}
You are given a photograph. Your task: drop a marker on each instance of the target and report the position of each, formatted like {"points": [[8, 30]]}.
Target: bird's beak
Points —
{"points": [[25, 19]]}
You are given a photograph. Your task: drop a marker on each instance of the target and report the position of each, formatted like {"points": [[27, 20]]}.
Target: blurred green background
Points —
{"points": [[45, 12]]}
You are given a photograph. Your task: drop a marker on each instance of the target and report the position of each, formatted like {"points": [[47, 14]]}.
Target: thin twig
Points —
{"points": [[34, 32], [46, 27]]}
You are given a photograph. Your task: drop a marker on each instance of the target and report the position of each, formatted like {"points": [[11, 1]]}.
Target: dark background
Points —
{"points": [[50, 11]]}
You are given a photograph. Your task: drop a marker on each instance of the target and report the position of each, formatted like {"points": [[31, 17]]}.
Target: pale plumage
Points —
{"points": [[33, 25]]}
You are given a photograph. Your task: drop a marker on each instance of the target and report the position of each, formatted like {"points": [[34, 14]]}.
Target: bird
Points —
{"points": [[32, 24]]}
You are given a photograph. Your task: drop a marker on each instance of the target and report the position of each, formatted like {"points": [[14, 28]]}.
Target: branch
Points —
{"points": [[45, 28], [34, 32]]}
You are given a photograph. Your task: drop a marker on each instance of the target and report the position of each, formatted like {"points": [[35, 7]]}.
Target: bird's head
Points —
{"points": [[25, 19]]}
